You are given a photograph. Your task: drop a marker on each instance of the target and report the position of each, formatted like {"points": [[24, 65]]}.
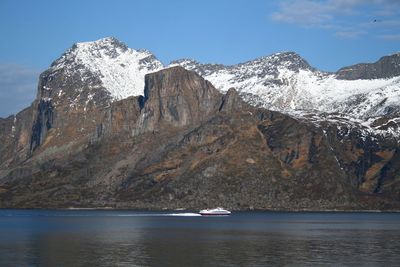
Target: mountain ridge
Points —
{"points": [[305, 88], [181, 142], [188, 145], [149, 63], [385, 67], [107, 70], [262, 78]]}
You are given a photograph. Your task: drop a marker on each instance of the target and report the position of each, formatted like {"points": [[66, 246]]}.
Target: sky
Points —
{"points": [[329, 34]]}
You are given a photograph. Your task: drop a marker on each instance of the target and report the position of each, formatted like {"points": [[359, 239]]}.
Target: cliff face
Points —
{"points": [[176, 97], [184, 144], [15, 138]]}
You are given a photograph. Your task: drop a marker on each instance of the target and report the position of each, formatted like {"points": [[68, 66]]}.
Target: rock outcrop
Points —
{"points": [[176, 97]]}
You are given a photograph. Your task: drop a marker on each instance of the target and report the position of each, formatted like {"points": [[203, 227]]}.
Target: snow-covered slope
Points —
{"points": [[108, 69], [120, 69], [286, 82], [282, 81]]}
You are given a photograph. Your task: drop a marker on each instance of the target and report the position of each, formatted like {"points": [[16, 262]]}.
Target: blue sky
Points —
{"points": [[329, 34]]}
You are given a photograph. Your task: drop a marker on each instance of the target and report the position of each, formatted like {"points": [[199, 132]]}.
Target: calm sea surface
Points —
{"points": [[132, 238]]}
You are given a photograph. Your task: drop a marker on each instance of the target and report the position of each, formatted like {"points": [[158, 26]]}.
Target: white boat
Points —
{"points": [[214, 212]]}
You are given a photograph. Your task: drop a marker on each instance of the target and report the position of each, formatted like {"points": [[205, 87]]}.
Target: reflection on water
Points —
{"points": [[128, 238]]}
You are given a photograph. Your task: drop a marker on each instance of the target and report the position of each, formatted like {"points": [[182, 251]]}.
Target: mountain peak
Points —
{"points": [[183, 61], [107, 42], [285, 54], [105, 47], [288, 59], [191, 64], [120, 69]]}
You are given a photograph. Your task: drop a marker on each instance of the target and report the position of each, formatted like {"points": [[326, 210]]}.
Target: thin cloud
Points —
{"points": [[349, 34], [314, 13], [17, 87], [390, 37], [345, 18], [304, 12]]}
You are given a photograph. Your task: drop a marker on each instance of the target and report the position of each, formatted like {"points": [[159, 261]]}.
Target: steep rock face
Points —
{"points": [[15, 136], [385, 67], [231, 101], [123, 117], [75, 100], [42, 124], [7, 134], [177, 97], [76, 95]]}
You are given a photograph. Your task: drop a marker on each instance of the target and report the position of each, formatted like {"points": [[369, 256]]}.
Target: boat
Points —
{"points": [[214, 212]]}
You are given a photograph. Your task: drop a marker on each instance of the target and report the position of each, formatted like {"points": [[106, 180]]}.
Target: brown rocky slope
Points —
{"points": [[185, 145]]}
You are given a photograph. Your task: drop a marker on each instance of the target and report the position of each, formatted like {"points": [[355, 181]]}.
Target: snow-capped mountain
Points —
{"points": [[108, 63], [86, 142], [90, 72], [286, 82]]}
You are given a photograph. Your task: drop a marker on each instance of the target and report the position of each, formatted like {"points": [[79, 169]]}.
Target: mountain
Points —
{"points": [[106, 63], [386, 67], [99, 134], [87, 76], [285, 82]]}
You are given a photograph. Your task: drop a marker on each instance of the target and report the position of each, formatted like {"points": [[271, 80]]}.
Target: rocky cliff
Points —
{"points": [[183, 144]]}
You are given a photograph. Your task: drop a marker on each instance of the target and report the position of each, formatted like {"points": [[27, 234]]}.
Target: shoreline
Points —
{"points": [[196, 210]]}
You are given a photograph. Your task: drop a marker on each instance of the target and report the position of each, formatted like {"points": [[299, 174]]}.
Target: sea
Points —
{"points": [[182, 238]]}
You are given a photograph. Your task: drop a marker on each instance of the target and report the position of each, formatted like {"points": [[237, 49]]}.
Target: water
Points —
{"points": [[132, 238]]}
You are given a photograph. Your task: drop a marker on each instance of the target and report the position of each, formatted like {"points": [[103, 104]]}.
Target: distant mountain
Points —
{"points": [[386, 67], [112, 127], [366, 93], [286, 82]]}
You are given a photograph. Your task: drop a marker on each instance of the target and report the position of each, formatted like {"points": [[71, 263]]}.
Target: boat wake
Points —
{"points": [[92, 214], [188, 214]]}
